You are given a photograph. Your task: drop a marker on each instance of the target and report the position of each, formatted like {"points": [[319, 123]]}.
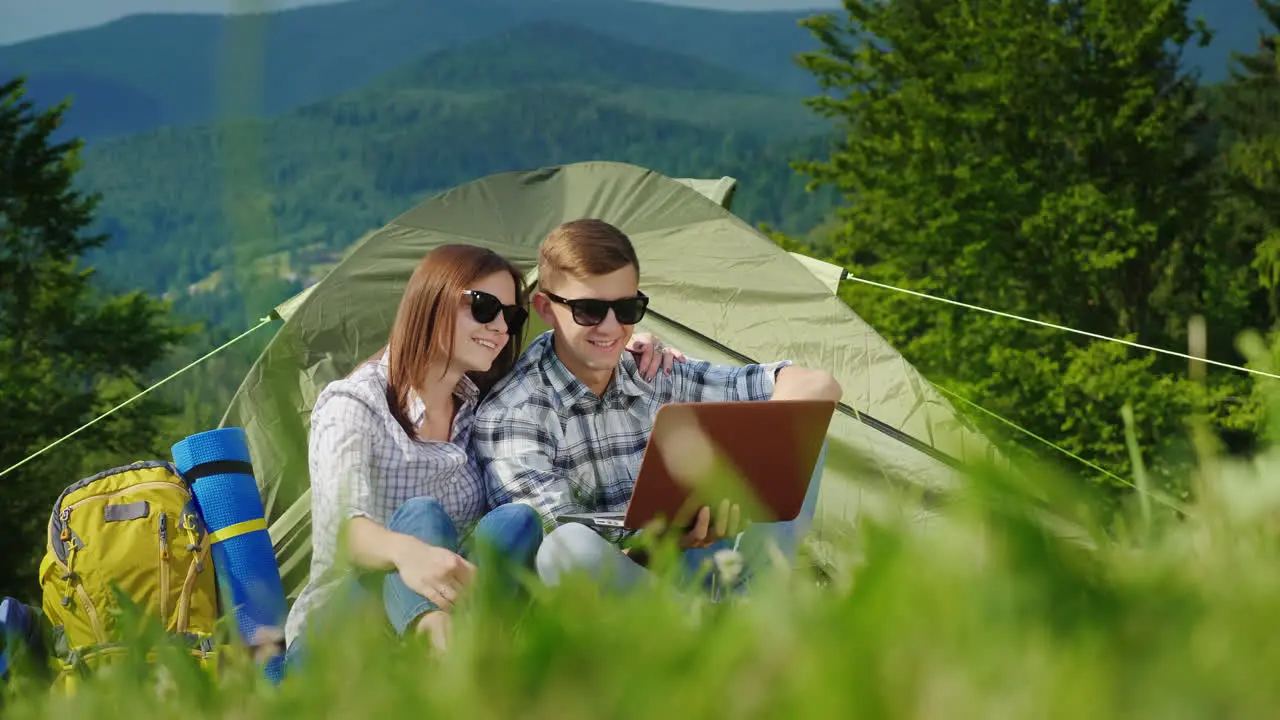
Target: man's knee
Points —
{"points": [[514, 519], [572, 547], [511, 530]]}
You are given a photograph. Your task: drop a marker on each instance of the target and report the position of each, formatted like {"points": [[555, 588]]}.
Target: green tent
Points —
{"points": [[720, 291]]}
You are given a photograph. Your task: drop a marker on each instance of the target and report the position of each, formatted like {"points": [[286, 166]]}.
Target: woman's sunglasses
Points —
{"points": [[590, 312], [485, 307]]}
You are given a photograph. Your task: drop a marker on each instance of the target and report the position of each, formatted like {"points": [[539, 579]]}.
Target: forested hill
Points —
{"points": [[189, 208], [181, 67], [545, 51], [149, 71]]}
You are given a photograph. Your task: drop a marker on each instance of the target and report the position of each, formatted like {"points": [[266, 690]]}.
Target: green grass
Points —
{"points": [[980, 614]]}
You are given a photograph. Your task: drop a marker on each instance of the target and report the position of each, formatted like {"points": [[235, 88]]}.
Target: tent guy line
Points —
{"points": [[171, 376], [1064, 328], [1158, 496], [842, 407]]}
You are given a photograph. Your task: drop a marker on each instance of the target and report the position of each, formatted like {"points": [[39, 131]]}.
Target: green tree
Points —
{"points": [[1039, 157], [1250, 111], [1252, 115], [67, 351]]}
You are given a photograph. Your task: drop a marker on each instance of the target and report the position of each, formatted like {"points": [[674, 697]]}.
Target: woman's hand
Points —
{"points": [[652, 354], [435, 573]]}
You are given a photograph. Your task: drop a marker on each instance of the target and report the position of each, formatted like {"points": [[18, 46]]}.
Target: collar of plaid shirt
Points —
{"points": [[567, 386], [466, 391]]}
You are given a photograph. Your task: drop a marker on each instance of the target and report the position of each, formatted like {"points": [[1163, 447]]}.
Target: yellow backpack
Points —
{"points": [[135, 528]]}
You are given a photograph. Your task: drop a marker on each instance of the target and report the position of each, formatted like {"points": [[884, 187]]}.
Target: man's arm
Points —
{"points": [[702, 381], [515, 450], [800, 383]]}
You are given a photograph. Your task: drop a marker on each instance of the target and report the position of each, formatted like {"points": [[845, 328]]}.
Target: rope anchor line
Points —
{"points": [[131, 400], [1065, 328], [915, 293]]}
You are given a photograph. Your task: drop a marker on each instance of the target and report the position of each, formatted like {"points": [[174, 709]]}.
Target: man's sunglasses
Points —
{"points": [[485, 307], [590, 312]]}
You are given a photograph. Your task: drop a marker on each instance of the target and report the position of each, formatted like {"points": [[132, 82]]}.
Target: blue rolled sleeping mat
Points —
{"points": [[218, 466]]}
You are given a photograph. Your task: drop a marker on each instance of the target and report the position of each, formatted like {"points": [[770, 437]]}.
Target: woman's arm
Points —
{"points": [[342, 497], [652, 355], [374, 547]]}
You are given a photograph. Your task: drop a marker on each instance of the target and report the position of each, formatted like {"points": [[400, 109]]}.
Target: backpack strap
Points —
{"points": [[199, 545]]}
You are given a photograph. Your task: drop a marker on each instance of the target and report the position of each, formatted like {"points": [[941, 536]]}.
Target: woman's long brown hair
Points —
{"points": [[422, 335]]}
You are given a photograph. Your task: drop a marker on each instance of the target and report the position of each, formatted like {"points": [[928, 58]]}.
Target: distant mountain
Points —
{"points": [[294, 191], [180, 69], [103, 105], [545, 52], [199, 67]]}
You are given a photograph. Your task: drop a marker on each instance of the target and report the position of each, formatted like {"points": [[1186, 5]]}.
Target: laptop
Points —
{"points": [[759, 454]]}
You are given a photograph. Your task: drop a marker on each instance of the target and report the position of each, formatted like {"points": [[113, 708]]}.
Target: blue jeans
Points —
{"points": [[575, 547], [508, 537]]}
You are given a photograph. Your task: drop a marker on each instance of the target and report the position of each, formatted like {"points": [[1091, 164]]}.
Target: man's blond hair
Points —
{"points": [[585, 248]]}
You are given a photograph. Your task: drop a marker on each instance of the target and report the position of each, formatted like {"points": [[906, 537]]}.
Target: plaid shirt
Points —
{"points": [[364, 465], [544, 439]]}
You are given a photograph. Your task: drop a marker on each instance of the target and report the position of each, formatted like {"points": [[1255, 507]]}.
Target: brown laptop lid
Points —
{"points": [[758, 454]]}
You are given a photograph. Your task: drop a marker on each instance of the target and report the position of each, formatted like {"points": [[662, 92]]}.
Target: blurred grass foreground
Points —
{"points": [[1165, 613]]}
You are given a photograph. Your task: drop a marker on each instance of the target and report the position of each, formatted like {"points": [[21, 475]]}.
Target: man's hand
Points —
{"points": [[708, 529], [652, 355], [435, 573]]}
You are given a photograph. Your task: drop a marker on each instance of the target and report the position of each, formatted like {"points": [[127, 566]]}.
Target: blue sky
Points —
{"points": [[24, 19]]}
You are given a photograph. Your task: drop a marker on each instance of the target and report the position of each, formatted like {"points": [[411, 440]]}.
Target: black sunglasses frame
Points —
{"points": [[589, 312], [486, 306]]}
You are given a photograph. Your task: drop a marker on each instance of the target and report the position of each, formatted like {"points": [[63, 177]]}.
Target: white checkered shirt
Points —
{"points": [[364, 465], [544, 439]]}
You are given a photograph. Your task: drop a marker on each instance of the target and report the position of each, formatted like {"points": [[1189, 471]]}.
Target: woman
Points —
{"points": [[388, 451]]}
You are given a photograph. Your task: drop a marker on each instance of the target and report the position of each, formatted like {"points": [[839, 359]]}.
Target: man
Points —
{"points": [[566, 430]]}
